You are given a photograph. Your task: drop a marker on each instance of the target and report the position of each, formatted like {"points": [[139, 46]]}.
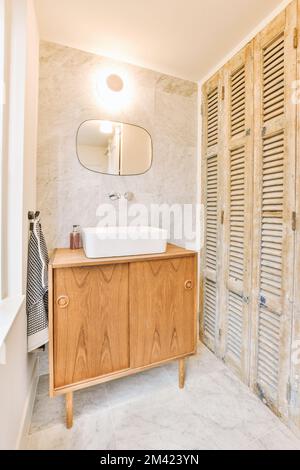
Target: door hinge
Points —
{"points": [[222, 217], [295, 38], [223, 93], [220, 332], [294, 223], [248, 132], [263, 131]]}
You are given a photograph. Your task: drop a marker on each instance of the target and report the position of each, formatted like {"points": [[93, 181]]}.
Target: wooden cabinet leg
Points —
{"points": [[181, 373], [69, 410]]}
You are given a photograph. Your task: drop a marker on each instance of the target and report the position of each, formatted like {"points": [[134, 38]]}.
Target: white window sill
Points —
{"points": [[9, 309]]}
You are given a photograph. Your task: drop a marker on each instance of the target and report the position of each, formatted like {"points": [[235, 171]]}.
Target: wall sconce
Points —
{"points": [[115, 82], [113, 89]]}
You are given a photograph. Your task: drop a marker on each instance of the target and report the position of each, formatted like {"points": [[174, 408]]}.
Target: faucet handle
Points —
{"points": [[128, 195], [114, 196]]}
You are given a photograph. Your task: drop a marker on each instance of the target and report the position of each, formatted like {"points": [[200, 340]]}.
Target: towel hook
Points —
{"points": [[33, 216]]}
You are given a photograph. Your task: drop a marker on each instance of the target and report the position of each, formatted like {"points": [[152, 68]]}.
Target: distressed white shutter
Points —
{"points": [[238, 164], [212, 122], [274, 203], [294, 385]]}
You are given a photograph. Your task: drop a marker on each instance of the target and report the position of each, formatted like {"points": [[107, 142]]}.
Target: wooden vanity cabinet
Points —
{"points": [[112, 317]]}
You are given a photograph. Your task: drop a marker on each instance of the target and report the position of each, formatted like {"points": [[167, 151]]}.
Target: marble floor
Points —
{"points": [[148, 411]]}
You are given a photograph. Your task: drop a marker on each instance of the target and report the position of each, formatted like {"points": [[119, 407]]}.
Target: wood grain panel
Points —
{"points": [[212, 117], [91, 333], [162, 314], [66, 258]]}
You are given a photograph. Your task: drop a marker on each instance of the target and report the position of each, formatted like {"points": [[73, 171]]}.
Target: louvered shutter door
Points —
{"points": [[295, 347], [274, 199], [212, 114], [238, 164]]}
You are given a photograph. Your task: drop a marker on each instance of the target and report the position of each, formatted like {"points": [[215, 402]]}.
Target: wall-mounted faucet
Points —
{"points": [[115, 196]]}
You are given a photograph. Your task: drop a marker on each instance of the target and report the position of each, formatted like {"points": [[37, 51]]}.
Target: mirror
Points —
{"points": [[114, 148]]}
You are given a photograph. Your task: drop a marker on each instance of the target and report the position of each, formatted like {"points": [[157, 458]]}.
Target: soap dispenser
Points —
{"points": [[75, 238]]}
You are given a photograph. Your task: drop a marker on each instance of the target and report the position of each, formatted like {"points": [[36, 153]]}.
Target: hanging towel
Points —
{"points": [[37, 289]]}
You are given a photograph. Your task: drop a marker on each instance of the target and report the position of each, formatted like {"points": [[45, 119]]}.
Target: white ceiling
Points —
{"points": [[185, 38]]}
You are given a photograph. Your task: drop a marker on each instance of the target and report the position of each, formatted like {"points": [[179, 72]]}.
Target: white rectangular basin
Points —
{"points": [[102, 242]]}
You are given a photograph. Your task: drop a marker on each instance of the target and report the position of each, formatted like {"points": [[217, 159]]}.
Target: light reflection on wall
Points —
{"points": [[113, 100]]}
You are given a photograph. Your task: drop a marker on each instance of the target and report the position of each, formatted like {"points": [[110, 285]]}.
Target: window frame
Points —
{"points": [[2, 112]]}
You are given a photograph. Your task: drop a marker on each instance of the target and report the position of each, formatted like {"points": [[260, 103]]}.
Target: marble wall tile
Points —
{"points": [[166, 106]]}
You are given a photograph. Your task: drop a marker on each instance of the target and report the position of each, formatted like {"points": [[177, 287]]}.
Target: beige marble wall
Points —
{"points": [[166, 106]]}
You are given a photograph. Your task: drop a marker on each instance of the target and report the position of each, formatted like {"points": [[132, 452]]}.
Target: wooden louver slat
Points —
{"points": [[211, 212], [272, 214], [268, 349], [235, 325], [273, 79], [238, 101], [210, 306], [212, 117], [237, 209], [210, 291]]}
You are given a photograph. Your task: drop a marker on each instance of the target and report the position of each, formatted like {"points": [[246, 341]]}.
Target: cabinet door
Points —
{"points": [[90, 326], [294, 385], [235, 290], [274, 204], [162, 310], [212, 170]]}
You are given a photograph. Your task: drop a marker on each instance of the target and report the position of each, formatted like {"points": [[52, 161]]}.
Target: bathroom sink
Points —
{"points": [[101, 242]]}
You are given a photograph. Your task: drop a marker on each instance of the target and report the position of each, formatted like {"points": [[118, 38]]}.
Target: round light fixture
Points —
{"points": [[113, 88], [114, 83]]}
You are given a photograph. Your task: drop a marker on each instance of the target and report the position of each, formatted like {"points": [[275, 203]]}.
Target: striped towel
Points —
{"points": [[37, 289]]}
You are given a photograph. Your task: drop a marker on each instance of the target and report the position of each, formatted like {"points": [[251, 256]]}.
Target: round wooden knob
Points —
{"points": [[188, 285], [63, 301]]}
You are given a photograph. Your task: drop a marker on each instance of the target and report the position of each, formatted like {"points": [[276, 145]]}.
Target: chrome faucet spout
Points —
{"points": [[114, 196]]}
